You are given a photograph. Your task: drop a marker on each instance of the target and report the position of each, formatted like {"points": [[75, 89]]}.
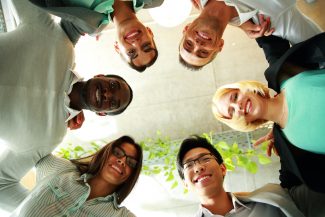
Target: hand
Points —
{"points": [[196, 4], [76, 122], [270, 138], [255, 31]]}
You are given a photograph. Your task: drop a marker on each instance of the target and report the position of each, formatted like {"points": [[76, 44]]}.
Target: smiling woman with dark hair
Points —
{"points": [[92, 186]]}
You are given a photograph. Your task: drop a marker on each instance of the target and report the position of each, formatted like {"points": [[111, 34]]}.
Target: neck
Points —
{"points": [[220, 12], [76, 101], [277, 110], [123, 11], [100, 188], [219, 203]]}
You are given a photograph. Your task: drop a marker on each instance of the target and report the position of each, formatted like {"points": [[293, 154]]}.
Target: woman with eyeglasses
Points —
{"points": [[92, 186]]}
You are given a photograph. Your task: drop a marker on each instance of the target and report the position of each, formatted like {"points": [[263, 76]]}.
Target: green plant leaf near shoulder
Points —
{"points": [[262, 159], [252, 167], [174, 185]]}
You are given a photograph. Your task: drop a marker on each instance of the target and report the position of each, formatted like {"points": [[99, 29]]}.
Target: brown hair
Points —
{"points": [[93, 164]]}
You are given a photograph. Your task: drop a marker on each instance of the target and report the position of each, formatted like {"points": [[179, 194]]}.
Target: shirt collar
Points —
{"points": [[71, 112], [236, 204], [109, 198]]}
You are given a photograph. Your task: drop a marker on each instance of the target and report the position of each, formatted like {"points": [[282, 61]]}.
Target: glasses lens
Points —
{"points": [[118, 152], [131, 162]]}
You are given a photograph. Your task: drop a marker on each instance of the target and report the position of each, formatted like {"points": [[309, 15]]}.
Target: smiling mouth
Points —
{"points": [[202, 178], [98, 96], [117, 169], [248, 107], [132, 34], [203, 35]]}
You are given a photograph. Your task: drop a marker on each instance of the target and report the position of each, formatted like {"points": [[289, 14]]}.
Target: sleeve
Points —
{"points": [[51, 164], [77, 19], [25, 12], [311, 203], [274, 47], [13, 166]]}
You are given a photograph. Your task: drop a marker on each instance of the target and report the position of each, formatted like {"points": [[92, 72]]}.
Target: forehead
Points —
{"points": [[195, 153], [129, 149]]}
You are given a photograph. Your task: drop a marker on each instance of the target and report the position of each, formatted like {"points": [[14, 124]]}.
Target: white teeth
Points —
{"points": [[97, 96], [248, 105], [204, 35], [202, 178], [117, 169]]}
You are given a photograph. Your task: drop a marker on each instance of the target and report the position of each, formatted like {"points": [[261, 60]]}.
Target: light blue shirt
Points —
{"points": [[305, 125], [61, 191]]}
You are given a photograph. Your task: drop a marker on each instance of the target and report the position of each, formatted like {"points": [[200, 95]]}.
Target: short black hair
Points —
{"points": [[194, 142], [131, 95], [144, 67]]}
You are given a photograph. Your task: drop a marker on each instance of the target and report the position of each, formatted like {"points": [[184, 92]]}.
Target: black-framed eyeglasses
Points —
{"points": [[203, 159], [120, 153]]}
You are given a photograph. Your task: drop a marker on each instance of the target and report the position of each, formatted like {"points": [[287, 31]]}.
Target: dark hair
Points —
{"points": [[193, 67], [130, 100], [144, 67], [194, 142], [93, 164]]}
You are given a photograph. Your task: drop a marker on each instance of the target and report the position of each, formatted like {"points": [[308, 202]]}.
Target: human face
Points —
{"points": [[203, 178], [200, 42], [117, 168], [249, 105], [102, 94], [135, 43]]}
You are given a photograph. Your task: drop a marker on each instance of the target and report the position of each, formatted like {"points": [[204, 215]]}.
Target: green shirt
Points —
{"points": [[305, 98]]}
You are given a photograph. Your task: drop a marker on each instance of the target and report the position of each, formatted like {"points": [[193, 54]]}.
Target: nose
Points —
{"points": [[238, 107], [121, 161], [106, 94], [198, 168], [199, 41]]}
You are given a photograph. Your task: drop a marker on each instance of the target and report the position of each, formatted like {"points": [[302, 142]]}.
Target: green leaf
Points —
{"points": [[174, 185], [170, 177], [223, 145], [252, 167], [262, 159]]}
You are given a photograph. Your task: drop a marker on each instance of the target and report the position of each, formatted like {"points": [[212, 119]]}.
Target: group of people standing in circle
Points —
{"points": [[41, 96]]}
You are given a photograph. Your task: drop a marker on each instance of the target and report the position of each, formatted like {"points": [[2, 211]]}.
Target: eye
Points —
{"points": [[204, 53], [189, 165], [131, 53], [113, 104], [188, 45], [113, 85], [205, 159], [131, 162], [118, 152]]}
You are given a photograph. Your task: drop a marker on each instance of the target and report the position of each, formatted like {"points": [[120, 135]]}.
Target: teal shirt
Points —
{"points": [[102, 6], [305, 96]]}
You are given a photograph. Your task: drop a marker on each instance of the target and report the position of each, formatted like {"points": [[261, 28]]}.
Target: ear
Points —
{"points": [[223, 169], [101, 113], [150, 32], [186, 27], [116, 47], [220, 45], [99, 75]]}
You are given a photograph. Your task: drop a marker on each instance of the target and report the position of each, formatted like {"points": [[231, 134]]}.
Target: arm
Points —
{"points": [[51, 164], [273, 47], [24, 12], [13, 166]]}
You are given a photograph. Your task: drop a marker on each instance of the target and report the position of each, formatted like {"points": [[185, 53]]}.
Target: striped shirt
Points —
{"points": [[61, 191]]}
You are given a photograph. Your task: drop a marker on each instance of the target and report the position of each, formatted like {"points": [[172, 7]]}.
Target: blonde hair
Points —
{"points": [[236, 122]]}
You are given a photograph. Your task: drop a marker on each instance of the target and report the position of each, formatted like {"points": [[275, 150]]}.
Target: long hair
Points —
{"points": [[239, 123], [93, 164]]}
